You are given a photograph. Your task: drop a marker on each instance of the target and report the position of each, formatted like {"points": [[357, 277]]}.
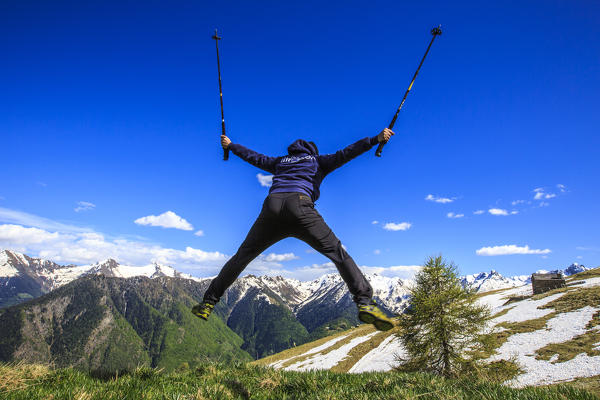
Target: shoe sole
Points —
{"points": [[204, 317], [380, 324]]}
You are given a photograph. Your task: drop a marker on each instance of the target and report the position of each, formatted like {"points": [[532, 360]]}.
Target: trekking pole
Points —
{"points": [[217, 38], [435, 32]]}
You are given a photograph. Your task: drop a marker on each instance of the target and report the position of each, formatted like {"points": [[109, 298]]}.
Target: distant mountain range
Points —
{"points": [[146, 308], [487, 281], [23, 277]]}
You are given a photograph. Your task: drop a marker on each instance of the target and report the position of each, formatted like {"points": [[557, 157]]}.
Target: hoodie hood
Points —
{"points": [[301, 146]]}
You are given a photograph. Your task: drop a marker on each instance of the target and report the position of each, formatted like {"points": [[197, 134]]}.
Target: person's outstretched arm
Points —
{"points": [[329, 162], [258, 160]]}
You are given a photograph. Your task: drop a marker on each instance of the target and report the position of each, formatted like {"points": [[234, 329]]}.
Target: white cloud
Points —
{"points": [[199, 233], [19, 235], [452, 215], [509, 250], [89, 247], [84, 206], [392, 226], [513, 212], [42, 184], [377, 252], [397, 271], [166, 220], [280, 257], [517, 202], [544, 204], [478, 212], [540, 194], [375, 222], [579, 257], [497, 211], [83, 246], [265, 180], [437, 199], [270, 264], [23, 218], [305, 273], [587, 248], [561, 187]]}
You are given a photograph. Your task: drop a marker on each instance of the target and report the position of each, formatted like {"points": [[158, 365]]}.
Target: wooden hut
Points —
{"points": [[543, 282]]}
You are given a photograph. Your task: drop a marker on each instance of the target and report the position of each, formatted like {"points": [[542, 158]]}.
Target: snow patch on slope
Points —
{"points": [[382, 358], [563, 327], [6, 270], [329, 360], [62, 276], [326, 345], [526, 310]]}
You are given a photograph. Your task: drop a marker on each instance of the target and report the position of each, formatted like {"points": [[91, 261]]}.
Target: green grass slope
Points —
{"points": [[243, 381]]}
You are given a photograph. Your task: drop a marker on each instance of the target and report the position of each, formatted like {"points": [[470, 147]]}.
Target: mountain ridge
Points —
{"points": [[42, 276], [268, 313]]}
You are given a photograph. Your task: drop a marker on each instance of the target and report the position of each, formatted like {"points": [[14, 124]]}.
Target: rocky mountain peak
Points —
{"points": [[14, 258], [485, 281], [574, 268], [108, 267]]}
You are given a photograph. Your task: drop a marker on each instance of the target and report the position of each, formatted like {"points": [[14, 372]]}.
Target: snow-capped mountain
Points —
{"points": [[572, 269], [112, 268], [486, 281], [47, 273], [391, 292], [23, 277], [253, 307]]}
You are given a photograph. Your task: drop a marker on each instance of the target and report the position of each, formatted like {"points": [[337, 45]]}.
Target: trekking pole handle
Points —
{"points": [[435, 32]]}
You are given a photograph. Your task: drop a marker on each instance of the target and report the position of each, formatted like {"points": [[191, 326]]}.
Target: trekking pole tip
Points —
{"points": [[437, 30], [216, 36]]}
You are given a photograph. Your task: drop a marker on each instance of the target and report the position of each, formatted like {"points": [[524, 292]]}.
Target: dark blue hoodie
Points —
{"points": [[303, 169]]}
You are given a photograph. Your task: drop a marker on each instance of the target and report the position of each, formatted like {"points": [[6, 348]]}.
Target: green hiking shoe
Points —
{"points": [[371, 314], [203, 310]]}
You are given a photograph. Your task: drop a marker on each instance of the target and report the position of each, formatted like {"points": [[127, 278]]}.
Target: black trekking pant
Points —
{"points": [[290, 215]]}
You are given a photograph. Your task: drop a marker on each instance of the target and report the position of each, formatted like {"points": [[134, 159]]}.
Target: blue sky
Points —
{"points": [[110, 115]]}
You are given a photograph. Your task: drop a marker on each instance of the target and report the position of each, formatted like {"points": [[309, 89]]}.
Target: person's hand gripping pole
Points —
{"points": [[385, 135], [225, 142]]}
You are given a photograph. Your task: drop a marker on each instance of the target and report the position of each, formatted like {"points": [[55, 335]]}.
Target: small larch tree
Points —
{"points": [[443, 320]]}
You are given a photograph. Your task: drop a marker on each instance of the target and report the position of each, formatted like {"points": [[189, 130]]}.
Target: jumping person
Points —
{"points": [[288, 211]]}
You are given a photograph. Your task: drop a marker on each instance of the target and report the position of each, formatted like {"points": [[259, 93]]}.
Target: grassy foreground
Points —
{"points": [[243, 381]]}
